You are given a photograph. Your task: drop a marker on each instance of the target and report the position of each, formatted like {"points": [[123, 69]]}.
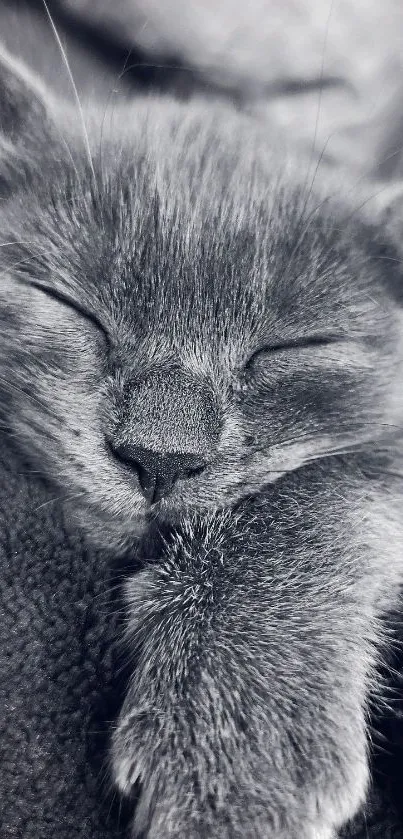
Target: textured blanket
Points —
{"points": [[58, 688]]}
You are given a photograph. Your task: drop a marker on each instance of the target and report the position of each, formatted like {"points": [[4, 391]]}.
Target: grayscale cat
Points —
{"points": [[204, 350]]}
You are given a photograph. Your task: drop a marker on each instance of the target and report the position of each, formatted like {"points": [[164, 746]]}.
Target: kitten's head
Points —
{"points": [[183, 320]]}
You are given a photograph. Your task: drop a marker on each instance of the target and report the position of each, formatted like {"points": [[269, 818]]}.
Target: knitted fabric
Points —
{"points": [[58, 690]]}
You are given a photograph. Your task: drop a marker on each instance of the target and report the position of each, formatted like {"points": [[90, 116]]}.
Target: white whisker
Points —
{"points": [[74, 86], [64, 497], [322, 69]]}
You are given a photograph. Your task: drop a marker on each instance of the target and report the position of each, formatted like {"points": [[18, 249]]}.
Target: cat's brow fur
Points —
{"points": [[182, 288]]}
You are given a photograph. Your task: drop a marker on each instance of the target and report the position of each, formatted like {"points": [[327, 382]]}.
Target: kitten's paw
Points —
{"points": [[176, 798], [344, 796], [323, 833], [341, 801]]}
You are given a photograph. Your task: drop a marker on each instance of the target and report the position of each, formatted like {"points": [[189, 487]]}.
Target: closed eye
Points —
{"points": [[293, 344], [72, 304]]}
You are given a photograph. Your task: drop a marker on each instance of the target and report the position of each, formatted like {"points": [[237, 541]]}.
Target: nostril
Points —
{"points": [[121, 451], [157, 472], [194, 471]]}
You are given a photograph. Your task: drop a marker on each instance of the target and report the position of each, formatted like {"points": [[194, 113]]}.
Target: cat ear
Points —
{"points": [[24, 103]]}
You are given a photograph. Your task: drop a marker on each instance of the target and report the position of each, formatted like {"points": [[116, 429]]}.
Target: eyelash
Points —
{"points": [[66, 301], [301, 343]]}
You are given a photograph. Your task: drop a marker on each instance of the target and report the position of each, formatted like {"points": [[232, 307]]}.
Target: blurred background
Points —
{"points": [[328, 72]]}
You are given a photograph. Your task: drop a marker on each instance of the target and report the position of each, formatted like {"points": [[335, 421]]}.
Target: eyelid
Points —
{"points": [[297, 343], [68, 301]]}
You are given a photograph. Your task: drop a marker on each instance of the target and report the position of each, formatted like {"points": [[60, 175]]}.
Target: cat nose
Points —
{"points": [[158, 471]]}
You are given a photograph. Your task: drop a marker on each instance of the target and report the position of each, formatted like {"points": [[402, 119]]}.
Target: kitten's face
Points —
{"points": [[187, 326]]}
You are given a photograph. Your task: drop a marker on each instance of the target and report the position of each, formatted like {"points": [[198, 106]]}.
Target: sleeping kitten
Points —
{"points": [[205, 355]]}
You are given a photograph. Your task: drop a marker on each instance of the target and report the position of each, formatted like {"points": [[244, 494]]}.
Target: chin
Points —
{"points": [[121, 535], [172, 512]]}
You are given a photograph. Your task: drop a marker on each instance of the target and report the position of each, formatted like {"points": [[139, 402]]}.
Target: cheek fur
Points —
{"points": [[73, 440], [270, 432], [310, 405]]}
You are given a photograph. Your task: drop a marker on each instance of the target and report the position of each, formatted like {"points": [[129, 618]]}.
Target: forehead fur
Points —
{"points": [[183, 215], [193, 246]]}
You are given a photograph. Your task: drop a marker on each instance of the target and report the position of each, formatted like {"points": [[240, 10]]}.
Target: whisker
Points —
{"points": [[13, 265], [300, 234], [366, 201], [112, 589], [73, 162], [13, 434], [320, 98], [18, 390], [389, 472], [381, 424], [111, 92], [74, 86], [16, 242], [60, 498]]}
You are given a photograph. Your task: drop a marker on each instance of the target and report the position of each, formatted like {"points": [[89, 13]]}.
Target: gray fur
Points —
{"points": [[169, 281]]}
